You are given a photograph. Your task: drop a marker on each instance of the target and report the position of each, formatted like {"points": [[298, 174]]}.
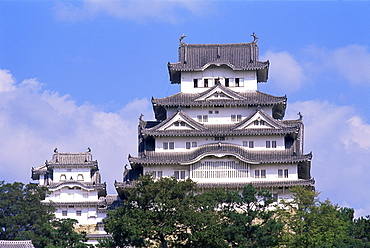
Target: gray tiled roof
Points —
{"points": [[247, 155], [65, 160], [250, 98], [238, 56], [16, 244], [221, 129]]}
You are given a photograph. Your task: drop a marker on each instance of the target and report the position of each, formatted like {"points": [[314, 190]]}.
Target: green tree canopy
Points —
{"points": [[23, 216], [169, 213], [312, 223]]}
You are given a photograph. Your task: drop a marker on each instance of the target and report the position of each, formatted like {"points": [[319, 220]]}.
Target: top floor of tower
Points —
{"points": [[202, 66]]}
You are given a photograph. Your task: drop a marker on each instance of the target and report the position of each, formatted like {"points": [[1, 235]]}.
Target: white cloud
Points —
{"points": [[34, 122], [339, 140], [7, 82], [138, 10], [352, 62], [285, 72]]}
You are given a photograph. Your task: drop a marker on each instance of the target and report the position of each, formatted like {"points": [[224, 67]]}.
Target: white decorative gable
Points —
{"points": [[178, 122], [258, 120], [218, 93]]}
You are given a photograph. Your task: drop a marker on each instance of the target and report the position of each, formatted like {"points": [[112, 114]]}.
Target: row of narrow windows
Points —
{"points": [[63, 177], [209, 82], [233, 118], [269, 144], [189, 145], [202, 171]]}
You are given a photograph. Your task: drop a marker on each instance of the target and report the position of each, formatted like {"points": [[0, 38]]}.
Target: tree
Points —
{"points": [[59, 234], [23, 216], [166, 213], [312, 223], [21, 210], [169, 213], [250, 219]]}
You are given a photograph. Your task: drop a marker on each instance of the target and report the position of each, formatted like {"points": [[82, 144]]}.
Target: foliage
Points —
{"points": [[168, 213], [250, 219], [59, 234], [23, 216], [21, 210], [311, 223]]}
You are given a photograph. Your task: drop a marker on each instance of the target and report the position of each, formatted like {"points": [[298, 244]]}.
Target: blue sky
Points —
{"points": [[77, 74]]}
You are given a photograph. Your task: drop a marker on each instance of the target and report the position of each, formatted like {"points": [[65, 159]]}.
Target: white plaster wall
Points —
{"points": [[249, 79], [180, 142], [73, 173], [65, 194], [89, 215], [167, 170], [224, 114], [271, 172]]}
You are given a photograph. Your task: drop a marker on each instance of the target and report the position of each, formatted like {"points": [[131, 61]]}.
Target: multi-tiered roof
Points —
{"points": [[204, 70]]}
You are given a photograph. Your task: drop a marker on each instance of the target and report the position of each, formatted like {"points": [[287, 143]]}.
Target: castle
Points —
{"points": [[219, 131]]}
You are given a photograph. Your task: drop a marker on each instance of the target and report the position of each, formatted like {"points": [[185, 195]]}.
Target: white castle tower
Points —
{"points": [[220, 131]]}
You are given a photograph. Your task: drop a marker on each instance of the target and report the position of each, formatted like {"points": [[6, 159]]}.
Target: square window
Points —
{"points": [[280, 173], [200, 118], [216, 112], [159, 174], [182, 174], [165, 145], [227, 82], [286, 173], [251, 144], [194, 144], [205, 118], [268, 144], [245, 143], [238, 118], [176, 123], [210, 112], [183, 124], [233, 118], [273, 144], [171, 145], [206, 83], [78, 213], [257, 173], [195, 81], [237, 82], [64, 213], [187, 145], [263, 173]]}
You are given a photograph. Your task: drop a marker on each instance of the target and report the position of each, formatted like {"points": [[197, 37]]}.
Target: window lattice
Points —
{"points": [[219, 169]]}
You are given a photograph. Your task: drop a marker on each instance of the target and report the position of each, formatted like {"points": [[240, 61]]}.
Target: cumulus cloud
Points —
{"points": [[127, 9], [33, 122], [286, 73], [7, 81], [290, 73], [339, 140]]}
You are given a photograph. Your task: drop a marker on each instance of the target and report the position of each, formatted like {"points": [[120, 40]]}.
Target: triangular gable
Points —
{"points": [[219, 92], [259, 119], [178, 121]]}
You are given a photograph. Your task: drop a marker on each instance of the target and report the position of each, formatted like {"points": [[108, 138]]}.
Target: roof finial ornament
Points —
{"points": [[255, 37], [88, 149], [181, 38], [56, 150], [300, 115], [141, 117]]}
